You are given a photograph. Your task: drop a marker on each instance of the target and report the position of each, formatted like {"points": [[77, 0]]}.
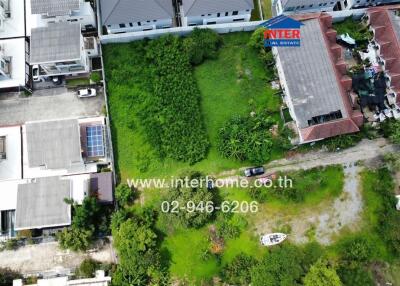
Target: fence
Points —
{"points": [[179, 31]]}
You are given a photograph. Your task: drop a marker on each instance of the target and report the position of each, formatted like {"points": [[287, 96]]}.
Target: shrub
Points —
{"points": [[391, 130], [358, 249], [247, 139], [257, 39], [7, 276], [237, 272], [95, 77], [202, 44], [198, 198], [88, 268], [124, 194], [74, 239], [355, 275], [321, 274]]}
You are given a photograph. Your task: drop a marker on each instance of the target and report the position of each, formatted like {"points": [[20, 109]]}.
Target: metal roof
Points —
{"points": [[310, 76], [126, 11], [40, 204], [54, 7], [200, 7], [55, 43], [53, 144]]}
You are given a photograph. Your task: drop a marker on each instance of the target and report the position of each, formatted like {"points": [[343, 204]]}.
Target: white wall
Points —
{"points": [[139, 26], [179, 31], [365, 3], [299, 6], [218, 18]]}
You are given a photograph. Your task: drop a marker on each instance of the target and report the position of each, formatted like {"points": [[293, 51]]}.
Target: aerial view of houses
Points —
{"points": [[199, 142]]}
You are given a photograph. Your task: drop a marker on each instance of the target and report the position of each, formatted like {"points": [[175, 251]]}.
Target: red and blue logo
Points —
{"points": [[282, 31]]}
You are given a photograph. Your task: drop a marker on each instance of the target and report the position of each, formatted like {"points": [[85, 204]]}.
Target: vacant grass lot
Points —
{"points": [[188, 248], [233, 84]]}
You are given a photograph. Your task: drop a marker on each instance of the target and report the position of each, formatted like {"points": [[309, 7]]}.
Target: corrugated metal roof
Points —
{"points": [[57, 42], [126, 11], [200, 7], [54, 7], [310, 76], [53, 144], [41, 204]]}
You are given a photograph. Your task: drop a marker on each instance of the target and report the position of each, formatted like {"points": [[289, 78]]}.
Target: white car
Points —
{"points": [[35, 73], [87, 92], [398, 203]]}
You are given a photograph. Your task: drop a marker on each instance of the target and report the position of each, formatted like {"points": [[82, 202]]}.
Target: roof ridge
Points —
{"points": [[112, 10]]}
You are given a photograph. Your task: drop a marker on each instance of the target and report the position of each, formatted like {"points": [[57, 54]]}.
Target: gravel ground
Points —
{"points": [[48, 259]]}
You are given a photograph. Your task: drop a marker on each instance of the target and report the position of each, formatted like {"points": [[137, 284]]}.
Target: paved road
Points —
{"points": [[50, 104]]}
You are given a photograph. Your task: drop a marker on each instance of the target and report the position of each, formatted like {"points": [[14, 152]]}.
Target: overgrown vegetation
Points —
{"points": [[89, 221], [356, 29]]}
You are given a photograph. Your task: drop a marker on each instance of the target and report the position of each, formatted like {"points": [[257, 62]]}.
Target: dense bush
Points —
{"points": [[7, 276], [75, 239], [355, 275], [197, 196], [247, 138], [124, 194], [321, 274], [391, 130], [388, 217], [237, 272], [139, 258], [88, 268], [154, 80], [202, 44], [356, 249]]}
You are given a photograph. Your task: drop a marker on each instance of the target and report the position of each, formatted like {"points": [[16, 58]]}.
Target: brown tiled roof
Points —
{"points": [[329, 129]]}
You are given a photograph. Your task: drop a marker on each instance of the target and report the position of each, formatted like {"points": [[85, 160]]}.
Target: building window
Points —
{"points": [[325, 118], [235, 13], [139, 23], [218, 14], [226, 14], [122, 25]]}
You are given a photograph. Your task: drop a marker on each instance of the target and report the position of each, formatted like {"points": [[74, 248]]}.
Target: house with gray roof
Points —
{"points": [[41, 204], [302, 6], [120, 16], [315, 83], [208, 12], [53, 11], [59, 49]]}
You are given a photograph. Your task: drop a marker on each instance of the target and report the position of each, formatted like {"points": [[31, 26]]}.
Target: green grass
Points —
{"points": [[245, 243], [187, 248], [233, 84], [267, 8], [77, 81]]}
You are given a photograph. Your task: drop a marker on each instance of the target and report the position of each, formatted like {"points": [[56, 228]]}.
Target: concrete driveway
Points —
{"points": [[55, 103]]}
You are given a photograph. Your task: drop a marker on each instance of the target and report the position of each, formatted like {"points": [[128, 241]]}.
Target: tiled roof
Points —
{"points": [[199, 7], [125, 11], [54, 7]]}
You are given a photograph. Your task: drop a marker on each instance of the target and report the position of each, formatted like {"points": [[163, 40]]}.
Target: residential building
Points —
{"points": [[99, 280], [59, 49], [44, 12], [12, 63], [385, 25], [208, 12], [43, 163], [302, 6], [120, 16], [12, 19], [315, 85], [351, 4]]}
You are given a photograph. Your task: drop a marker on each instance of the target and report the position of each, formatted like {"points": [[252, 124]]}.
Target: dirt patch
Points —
{"points": [[323, 222]]}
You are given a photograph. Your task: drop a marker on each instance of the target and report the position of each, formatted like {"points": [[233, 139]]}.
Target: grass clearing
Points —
{"points": [[233, 84]]}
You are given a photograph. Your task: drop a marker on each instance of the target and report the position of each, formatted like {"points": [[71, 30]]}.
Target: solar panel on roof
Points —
{"points": [[95, 141]]}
